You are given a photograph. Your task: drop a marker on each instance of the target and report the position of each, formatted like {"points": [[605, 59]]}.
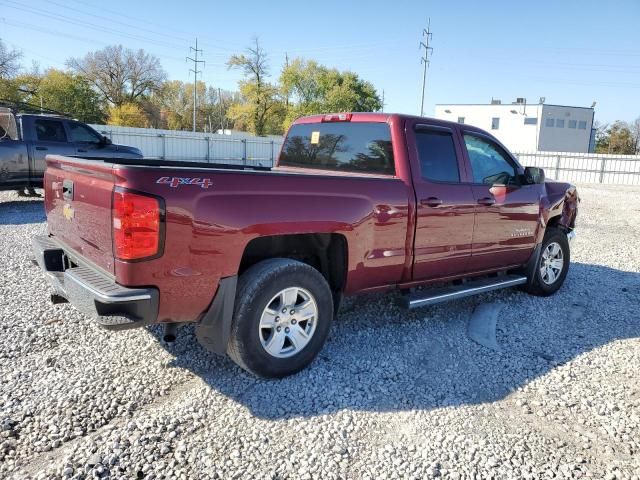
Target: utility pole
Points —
{"points": [[382, 110], [195, 79], [425, 60], [221, 110], [286, 65]]}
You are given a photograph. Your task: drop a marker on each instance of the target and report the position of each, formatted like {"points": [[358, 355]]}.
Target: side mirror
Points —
{"points": [[533, 175], [106, 140]]}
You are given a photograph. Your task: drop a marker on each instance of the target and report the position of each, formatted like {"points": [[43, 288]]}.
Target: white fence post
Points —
{"points": [[164, 146], [244, 151]]}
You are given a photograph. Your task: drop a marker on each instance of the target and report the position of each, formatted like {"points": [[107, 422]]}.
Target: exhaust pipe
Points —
{"points": [[170, 330]]}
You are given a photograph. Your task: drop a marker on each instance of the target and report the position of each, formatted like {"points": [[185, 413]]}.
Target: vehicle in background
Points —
{"points": [[27, 138], [260, 258]]}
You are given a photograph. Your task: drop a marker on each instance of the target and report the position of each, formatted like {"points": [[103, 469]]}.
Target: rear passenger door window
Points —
{"points": [[437, 155], [50, 131]]}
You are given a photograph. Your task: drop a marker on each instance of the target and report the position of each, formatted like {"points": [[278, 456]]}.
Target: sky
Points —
{"points": [[570, 52]]}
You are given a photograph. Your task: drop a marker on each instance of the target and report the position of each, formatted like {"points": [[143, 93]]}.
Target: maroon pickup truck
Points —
{"points": [[261, 257]]}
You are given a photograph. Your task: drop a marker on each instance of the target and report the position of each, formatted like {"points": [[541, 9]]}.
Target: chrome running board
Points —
{"points": [[452, 292]]}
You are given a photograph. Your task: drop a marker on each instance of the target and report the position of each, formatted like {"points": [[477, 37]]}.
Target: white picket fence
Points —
{"points": [[237, 148]]}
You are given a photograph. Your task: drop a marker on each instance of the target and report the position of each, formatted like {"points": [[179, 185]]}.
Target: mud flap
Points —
{"points": [[215, 327], [530, 267]]}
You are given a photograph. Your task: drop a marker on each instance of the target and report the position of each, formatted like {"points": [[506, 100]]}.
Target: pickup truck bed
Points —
{"points": [[133, 242]]}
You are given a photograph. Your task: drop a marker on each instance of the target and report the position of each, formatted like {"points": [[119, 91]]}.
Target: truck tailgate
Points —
{"points": [[78, 196]]}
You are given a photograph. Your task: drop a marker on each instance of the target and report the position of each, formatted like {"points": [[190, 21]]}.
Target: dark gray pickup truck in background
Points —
{"points": [[26, 139]]}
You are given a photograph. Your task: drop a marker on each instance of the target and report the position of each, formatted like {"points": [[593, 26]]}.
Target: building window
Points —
{"points": [[495, 123], [549, 122], [460, 119], [559, 123], [572, 123], [531, 121], [582, 125]]}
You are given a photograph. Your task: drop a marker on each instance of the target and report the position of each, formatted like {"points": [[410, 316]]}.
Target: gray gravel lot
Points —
{"points": [[393, 394]]}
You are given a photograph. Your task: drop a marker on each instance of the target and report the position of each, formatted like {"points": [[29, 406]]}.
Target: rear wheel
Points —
{"points": [[553, 264], [282, 317]]}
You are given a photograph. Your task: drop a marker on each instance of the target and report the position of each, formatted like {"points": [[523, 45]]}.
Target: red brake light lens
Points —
{"points": [[137, 225], [337, 117]]}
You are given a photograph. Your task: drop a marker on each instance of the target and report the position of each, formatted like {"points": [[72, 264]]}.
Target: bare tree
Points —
{"points": [[9, 61], [120, 75]]}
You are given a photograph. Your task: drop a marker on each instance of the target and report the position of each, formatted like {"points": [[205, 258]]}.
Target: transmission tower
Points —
{"points": [[428, 51], [195, 78]]}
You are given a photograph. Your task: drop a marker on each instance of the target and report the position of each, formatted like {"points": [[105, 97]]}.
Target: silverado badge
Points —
{"points": [[67, 211]]}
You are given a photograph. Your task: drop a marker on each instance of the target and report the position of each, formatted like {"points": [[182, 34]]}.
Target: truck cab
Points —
{"points": [[27, 138]]}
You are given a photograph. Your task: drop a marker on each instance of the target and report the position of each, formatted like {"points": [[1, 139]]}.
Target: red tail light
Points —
{"points": [[138, 222], [337, 117]]}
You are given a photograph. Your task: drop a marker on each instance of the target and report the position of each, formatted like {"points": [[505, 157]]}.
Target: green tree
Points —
{"points": [[70, 93], [262, 108], [314, 88], [21, 88]]}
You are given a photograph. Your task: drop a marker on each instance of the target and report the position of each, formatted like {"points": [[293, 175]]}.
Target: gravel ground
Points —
{"points": [[393, 394]]}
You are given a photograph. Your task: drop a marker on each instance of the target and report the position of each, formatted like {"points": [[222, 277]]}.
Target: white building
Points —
{"points": [[524, 127]]}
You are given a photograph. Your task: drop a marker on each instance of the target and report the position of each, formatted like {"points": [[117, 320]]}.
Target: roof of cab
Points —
{"points": [[381, 117]]}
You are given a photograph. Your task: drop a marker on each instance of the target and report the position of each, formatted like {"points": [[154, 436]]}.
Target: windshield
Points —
{"points": [[343, 146]]}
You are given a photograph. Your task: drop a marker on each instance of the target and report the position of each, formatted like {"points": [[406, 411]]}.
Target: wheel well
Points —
{"points": [[554, 222], [326, 252]]}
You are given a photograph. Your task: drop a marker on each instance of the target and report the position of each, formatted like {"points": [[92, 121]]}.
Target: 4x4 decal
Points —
{"points": [[175, 182]]}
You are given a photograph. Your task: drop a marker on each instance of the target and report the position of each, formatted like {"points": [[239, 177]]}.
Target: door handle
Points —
{"points": [[487, 201], [82, 150], [431, 202], [42, 148]]}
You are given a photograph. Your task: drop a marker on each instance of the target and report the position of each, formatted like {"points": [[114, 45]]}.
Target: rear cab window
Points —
{"points": [[50, 130], [358, 147]]}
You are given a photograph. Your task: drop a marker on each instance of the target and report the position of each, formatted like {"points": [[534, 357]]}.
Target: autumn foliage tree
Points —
{"points": [[128, 115]]}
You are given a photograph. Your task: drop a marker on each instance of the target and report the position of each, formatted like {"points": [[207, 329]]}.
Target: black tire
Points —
{"points": [[537, 285], [256, 288]]}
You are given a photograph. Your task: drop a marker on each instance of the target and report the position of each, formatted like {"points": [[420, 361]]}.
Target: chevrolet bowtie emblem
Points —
{"points": [[67, 212]]}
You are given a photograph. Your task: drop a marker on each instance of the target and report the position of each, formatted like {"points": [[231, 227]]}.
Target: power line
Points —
{"points": [[425, 60], [195, 78]]}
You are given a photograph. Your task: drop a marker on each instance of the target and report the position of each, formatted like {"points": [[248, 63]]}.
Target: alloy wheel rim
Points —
{"points": [[552, 263], [288, 322]]}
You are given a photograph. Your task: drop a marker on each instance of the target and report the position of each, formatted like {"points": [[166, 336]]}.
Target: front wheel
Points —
{"points": [[553, 264], [283, 313]]}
